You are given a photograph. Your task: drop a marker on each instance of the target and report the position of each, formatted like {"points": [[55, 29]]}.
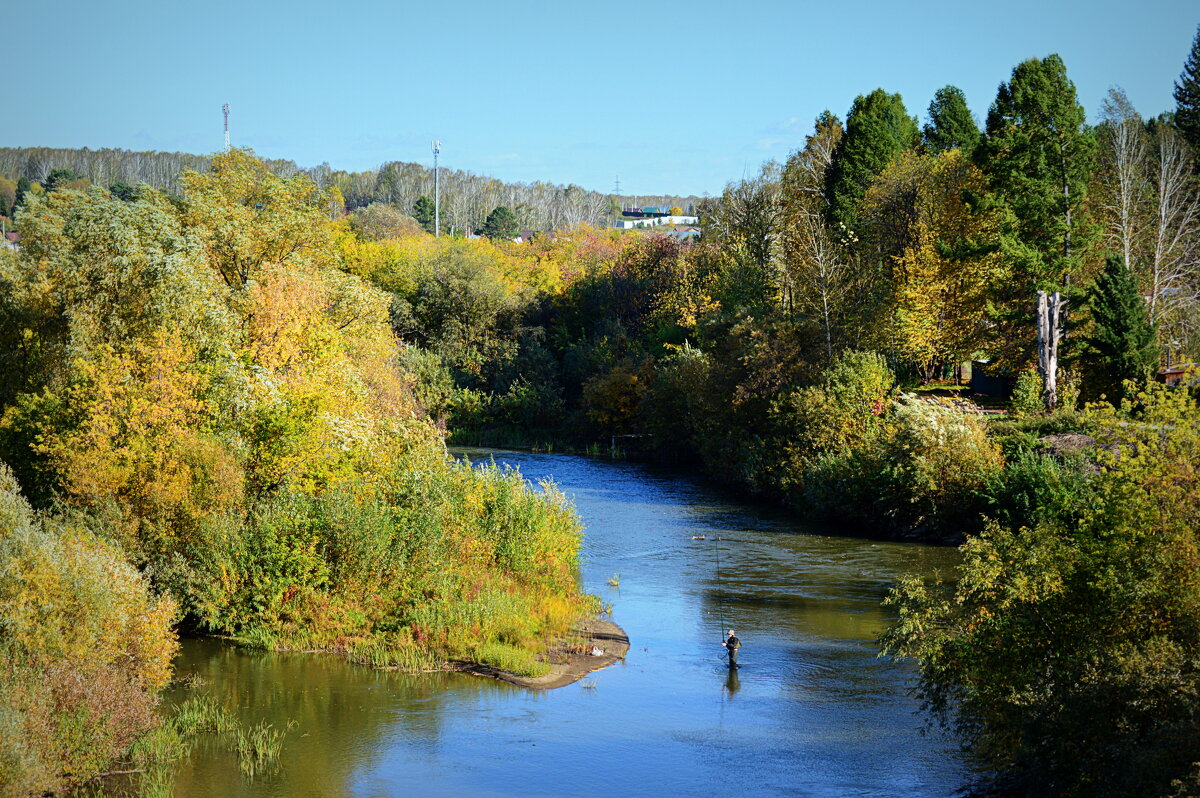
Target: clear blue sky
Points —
{"points": [[672, 97]]}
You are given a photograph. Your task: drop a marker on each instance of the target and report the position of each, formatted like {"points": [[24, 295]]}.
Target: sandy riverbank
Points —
{"points": [[568, 663]]}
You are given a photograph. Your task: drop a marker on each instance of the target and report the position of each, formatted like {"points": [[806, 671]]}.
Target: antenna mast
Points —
{"points": [[225, 110], [437, 148]]}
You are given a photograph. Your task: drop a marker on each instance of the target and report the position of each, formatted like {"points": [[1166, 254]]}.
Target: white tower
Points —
{"points": [[225, 110]]}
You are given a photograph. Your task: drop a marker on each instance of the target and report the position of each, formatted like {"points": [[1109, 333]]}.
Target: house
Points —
{"points": [[1187, 374], [11, 241], [685, 233]]}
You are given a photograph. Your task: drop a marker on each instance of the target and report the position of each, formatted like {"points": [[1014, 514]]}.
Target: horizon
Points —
{"points": [[672, 105]]}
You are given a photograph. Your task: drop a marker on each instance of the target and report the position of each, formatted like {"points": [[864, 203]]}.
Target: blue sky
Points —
{"points": [[671, 97]]}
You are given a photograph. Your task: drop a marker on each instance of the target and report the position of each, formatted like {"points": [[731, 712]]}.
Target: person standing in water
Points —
{"points": [[732, 644]]}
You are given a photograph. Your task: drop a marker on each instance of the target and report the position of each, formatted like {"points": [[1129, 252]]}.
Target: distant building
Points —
{"points": [[11, 241], [685, 233], [655, 221]]}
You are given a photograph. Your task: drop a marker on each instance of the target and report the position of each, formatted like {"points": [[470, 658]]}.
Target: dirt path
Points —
{"points": [[568, 663]]}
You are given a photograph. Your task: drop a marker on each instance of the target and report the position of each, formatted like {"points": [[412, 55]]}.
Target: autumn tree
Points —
{"points": [[816, 267], [1060, 651], [744, 222], [250, 219], [378, 222], [8, 197], [943, 265]]}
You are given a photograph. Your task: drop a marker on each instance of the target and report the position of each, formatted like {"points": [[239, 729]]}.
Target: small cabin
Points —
{"points": [[1187, 374]]}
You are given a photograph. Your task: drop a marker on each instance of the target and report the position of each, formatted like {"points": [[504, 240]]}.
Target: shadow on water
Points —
{"points": [[813, 711]]}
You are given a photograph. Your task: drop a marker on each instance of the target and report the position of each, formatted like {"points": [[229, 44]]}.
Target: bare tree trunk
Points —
{"points": [[1049, 332]]}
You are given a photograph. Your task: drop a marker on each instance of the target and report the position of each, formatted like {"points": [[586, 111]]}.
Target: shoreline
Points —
{"points": [[571, 666]]}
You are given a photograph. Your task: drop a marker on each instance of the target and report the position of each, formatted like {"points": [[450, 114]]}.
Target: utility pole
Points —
{"points": [[225, 110], [437, 198]]}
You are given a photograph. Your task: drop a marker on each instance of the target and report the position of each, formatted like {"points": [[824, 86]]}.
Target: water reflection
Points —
{"points": [[733, 683], [813, 712]]}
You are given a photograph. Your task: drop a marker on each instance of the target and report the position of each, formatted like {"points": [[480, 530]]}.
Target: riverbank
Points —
{"points": [[570, 658]]}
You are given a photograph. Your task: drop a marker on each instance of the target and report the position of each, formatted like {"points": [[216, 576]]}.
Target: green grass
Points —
{"points": [[510, 659], [258, 749], [203, 714]]}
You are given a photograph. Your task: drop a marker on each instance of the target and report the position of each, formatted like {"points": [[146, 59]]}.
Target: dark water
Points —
{"points": [[812, 712]]}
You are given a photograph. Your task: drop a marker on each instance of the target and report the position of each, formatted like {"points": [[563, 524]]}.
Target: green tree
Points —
{"points": [[23, 188], [501, 224], [8, 197], [61, 178], [1038, 155], [123, 191], [1122, 343], [423, 212], [951, 124], [877, 128], [1187, 97]]}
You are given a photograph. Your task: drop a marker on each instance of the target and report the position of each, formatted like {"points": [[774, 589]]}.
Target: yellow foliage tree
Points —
{"points": [[943, 269]]}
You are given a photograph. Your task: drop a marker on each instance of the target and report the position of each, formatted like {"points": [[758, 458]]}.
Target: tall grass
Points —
{"points": [[430, 566], [258, 748]]}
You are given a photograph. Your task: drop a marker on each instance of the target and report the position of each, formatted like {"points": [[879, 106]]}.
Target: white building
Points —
{"points": [[655, 221]]}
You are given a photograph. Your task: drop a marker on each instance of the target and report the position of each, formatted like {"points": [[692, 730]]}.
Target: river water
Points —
{"points": [[812, 712]]}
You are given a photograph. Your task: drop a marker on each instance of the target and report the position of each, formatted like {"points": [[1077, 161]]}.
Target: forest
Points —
{"points": [[225, 400], [466, 198]]}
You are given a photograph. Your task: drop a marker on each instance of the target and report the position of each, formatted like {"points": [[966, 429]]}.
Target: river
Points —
{"points": [[812, 712]]}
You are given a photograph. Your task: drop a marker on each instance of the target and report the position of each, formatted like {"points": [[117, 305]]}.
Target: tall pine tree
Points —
{"points": [[877, 129], [1122, 342], [951, 125], [1187, 97], [423, 212], [1038, 155], [501, 224]]}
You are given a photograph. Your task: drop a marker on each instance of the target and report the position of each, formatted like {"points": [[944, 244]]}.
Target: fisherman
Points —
{"points": [[732, 644]]}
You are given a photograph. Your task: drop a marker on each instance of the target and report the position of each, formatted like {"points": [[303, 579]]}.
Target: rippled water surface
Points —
{"points": [[812, 712]]}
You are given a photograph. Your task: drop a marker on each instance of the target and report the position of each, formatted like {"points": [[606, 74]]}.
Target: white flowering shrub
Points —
{"points": [[939, 456]]}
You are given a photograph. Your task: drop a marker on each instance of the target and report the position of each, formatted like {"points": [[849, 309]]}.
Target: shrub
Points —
{"points": [[84, 649], [1065, 653], [938, 458], [1027, 398]]}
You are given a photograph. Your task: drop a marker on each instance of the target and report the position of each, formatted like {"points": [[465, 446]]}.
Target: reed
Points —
{"points": [[258, 748]]}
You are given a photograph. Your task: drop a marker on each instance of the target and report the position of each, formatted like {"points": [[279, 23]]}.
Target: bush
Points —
{"points": [[1035, 487], [1065, 653], [1027, 398], [84, 649], [938, 457]]}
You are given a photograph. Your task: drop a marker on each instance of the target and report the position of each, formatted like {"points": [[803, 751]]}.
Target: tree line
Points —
{"points": [[466, 198]]}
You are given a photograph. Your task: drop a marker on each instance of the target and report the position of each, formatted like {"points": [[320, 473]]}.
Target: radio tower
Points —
{"points": [[437, 197], [225, 110]]}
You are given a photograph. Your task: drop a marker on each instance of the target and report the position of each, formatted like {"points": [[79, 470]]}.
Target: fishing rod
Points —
{"points": [[720, 590]]}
